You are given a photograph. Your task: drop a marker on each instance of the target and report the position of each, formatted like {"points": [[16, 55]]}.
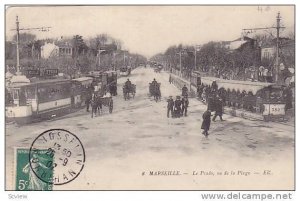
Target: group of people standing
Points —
{"points": [[178, 108], [214, 104]]}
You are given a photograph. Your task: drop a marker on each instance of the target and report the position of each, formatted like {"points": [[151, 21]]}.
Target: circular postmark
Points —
{"points": [[56, 156]]}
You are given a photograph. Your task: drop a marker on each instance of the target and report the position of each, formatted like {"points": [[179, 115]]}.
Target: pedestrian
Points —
{"points": [[218, 109], [99, 104], [185, 104], [184, 91], [288, 98], [170, 106], [177, 107], [214, 86], [203, 96], [88, 102], [200, 91], [206, 122], [94, 104], [170, 79]]}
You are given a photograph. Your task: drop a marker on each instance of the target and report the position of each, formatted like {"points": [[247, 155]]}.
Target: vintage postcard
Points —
{"points": [[149, 97]]}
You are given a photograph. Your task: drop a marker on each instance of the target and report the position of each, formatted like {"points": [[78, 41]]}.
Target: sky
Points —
{"points": [[149, 30]]}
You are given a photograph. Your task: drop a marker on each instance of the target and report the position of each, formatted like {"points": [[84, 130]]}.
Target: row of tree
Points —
{"points": [[218, 59], [97, 53]]}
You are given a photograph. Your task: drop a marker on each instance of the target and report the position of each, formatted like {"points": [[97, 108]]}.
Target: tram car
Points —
{"points": [[81, 89], [38, 100], [104, 81], [125, 71], [259, 97], [196, 79]]}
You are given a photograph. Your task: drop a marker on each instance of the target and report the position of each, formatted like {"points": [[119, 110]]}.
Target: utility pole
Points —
{"points": [[196, 49], [114, 58], [99, 58], [124, 59], [18, 54], [18, 40], [277, 47], [180, 63], [277, 27]]}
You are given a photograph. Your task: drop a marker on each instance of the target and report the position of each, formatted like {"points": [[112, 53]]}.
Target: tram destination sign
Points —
{"points": [[50, 72], [41, 72], [32, 73]]}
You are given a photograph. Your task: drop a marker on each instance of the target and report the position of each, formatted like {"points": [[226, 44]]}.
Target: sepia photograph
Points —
{"points": [[149, 97]]}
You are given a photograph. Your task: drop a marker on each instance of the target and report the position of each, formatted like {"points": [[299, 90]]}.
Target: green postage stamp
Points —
{"points": [[25, 177]]}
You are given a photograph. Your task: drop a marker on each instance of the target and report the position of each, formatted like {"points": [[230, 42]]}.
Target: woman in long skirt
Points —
{"points": [[206, 122]]}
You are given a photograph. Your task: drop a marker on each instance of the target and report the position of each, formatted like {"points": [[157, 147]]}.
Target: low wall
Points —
{"points": [[179, 83]]}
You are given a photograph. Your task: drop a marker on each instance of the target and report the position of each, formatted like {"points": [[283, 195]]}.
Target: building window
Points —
{"points": [[267, 55]]}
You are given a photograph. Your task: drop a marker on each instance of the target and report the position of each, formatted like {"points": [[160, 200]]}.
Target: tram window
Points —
{"points": [[22, 98], [16, 94], [30, 93], [267, 95], [276, 94]]}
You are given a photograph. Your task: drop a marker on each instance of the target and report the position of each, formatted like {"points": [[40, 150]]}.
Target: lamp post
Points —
{"points": [[114, 57], [197, 48], [180, 62], [99, 56]]}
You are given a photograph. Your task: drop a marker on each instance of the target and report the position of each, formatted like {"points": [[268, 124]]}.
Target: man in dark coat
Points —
{"points": [[177, 107], [170, 106], [288, 98], [184, 91], [88, 101], [170, 79], [218, 108], [94, 104], [200, 90], [154, 82], [128, 84], [206, 122], [185, 104]]}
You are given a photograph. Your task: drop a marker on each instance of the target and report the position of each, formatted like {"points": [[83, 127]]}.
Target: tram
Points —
{"points": [[44, 99], [104, 81], [259, 97], [81, 88], [38, 100], [125, 71]]}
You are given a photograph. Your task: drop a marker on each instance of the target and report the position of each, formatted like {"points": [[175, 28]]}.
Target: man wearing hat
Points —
{"points": [[184, 91], [206, 122], [218, 107], [185, 104], [170, 106]]}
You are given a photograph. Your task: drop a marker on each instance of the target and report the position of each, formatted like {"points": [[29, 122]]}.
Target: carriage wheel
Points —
{"points": [[111, 106]]}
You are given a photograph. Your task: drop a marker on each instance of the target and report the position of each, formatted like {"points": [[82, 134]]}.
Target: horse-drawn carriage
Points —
{"points": [[158, 68], [129, 89], [98, 101], [154, 90]]}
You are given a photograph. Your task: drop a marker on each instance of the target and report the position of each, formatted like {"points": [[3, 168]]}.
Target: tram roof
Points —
{"points": [[16, 85], [237, 85], [82, 79]]}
